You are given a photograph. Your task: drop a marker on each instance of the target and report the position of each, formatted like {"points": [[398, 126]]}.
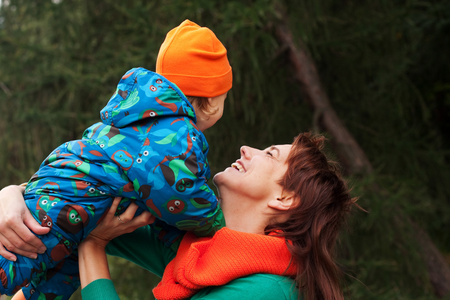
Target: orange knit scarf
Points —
{"points": [[217, 260]]}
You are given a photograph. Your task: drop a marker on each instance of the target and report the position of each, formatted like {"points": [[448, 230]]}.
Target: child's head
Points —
{"points": [[208, 110], [196, 61]]}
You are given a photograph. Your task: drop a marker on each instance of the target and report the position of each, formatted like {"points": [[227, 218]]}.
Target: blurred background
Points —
{"points": [[373, 76]]}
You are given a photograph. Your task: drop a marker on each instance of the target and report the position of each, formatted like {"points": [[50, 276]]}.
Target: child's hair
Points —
{"points": [[202, 103]]}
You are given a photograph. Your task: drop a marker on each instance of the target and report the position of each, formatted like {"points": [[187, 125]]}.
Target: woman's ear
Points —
{"points": [[283, 203]]}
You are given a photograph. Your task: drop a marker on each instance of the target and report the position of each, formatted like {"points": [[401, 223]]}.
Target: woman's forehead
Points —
{"points": [[283, 146]]}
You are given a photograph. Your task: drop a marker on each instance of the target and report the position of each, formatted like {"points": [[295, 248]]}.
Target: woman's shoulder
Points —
{"points": [[256, 286]]}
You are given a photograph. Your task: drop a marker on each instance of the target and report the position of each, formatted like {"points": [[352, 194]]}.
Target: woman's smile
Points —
{"points": [[238, 166]]}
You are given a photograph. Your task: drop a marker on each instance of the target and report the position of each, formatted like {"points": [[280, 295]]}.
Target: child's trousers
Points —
{"points": [[54, 273]]}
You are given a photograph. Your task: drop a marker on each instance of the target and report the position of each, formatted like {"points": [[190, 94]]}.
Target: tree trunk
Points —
{"points": [[437, 266], [349, 152], [353, 158]]}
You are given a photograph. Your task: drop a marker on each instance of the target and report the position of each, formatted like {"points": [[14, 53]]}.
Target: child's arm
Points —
{"points": [[171, 178]]}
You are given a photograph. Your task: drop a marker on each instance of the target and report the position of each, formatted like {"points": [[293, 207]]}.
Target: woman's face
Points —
{"points": [[256, 174]]}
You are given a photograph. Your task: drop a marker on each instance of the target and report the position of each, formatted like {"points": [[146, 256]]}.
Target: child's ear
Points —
{"points": [[210, 101], [283, 203]]}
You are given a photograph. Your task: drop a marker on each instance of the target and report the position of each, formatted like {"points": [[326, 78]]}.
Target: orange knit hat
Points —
{"points": [[195, 60]]}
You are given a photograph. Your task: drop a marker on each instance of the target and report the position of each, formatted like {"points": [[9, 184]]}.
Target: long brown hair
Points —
{"points": [[312, 225]]}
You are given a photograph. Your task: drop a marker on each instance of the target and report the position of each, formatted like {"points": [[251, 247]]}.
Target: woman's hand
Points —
{"points": [[92, 261], [113, 226], [17, 226]]}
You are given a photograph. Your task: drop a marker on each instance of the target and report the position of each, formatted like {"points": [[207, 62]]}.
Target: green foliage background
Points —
{"points": [[383, 63]]}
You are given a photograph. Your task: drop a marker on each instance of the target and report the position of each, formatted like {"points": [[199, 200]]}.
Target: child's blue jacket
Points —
{"points": [[147, 148]]}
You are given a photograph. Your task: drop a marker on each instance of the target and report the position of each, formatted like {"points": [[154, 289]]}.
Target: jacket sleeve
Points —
{"points": [[100, 289], [137, 245], [171, 176]]}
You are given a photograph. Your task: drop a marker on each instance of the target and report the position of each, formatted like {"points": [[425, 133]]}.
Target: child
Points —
{"points": [[149, 148]]}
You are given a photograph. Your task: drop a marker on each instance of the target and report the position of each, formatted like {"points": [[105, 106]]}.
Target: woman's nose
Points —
{"points": [[248, 152], [245, 152]]}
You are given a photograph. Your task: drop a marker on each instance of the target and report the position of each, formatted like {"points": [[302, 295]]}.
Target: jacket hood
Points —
{"points": [[143, 94]]}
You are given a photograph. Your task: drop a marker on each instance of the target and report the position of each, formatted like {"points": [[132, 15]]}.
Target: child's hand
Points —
{"points": [[113, 226]]}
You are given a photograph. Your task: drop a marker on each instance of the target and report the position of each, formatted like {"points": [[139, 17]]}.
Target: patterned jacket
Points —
{"points": [[147, 149]]}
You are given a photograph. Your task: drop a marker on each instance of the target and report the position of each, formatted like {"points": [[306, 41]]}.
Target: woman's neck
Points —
{"points": [[244, 216]]}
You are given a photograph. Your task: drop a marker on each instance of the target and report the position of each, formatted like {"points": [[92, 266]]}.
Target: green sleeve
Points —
{"points": [[258, 286], [144, 248], [100, 289]]}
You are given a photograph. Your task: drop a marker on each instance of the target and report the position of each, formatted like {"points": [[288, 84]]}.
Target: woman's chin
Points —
{"points": [[218, 176], [221, 178]]}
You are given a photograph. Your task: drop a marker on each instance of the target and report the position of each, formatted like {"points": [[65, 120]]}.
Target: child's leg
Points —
{"points": [[15, 275], [18, 274], [61, 282]]}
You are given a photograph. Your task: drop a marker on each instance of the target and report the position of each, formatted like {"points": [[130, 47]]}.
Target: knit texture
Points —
{"points": [[217, 260], [105, 290], [195, 60]]}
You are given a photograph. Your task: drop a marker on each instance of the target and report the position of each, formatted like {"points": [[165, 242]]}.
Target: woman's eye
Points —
{"points": [[268, 153]]}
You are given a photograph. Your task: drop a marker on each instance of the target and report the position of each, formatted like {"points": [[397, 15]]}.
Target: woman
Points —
{"points": [[283, 207]]}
